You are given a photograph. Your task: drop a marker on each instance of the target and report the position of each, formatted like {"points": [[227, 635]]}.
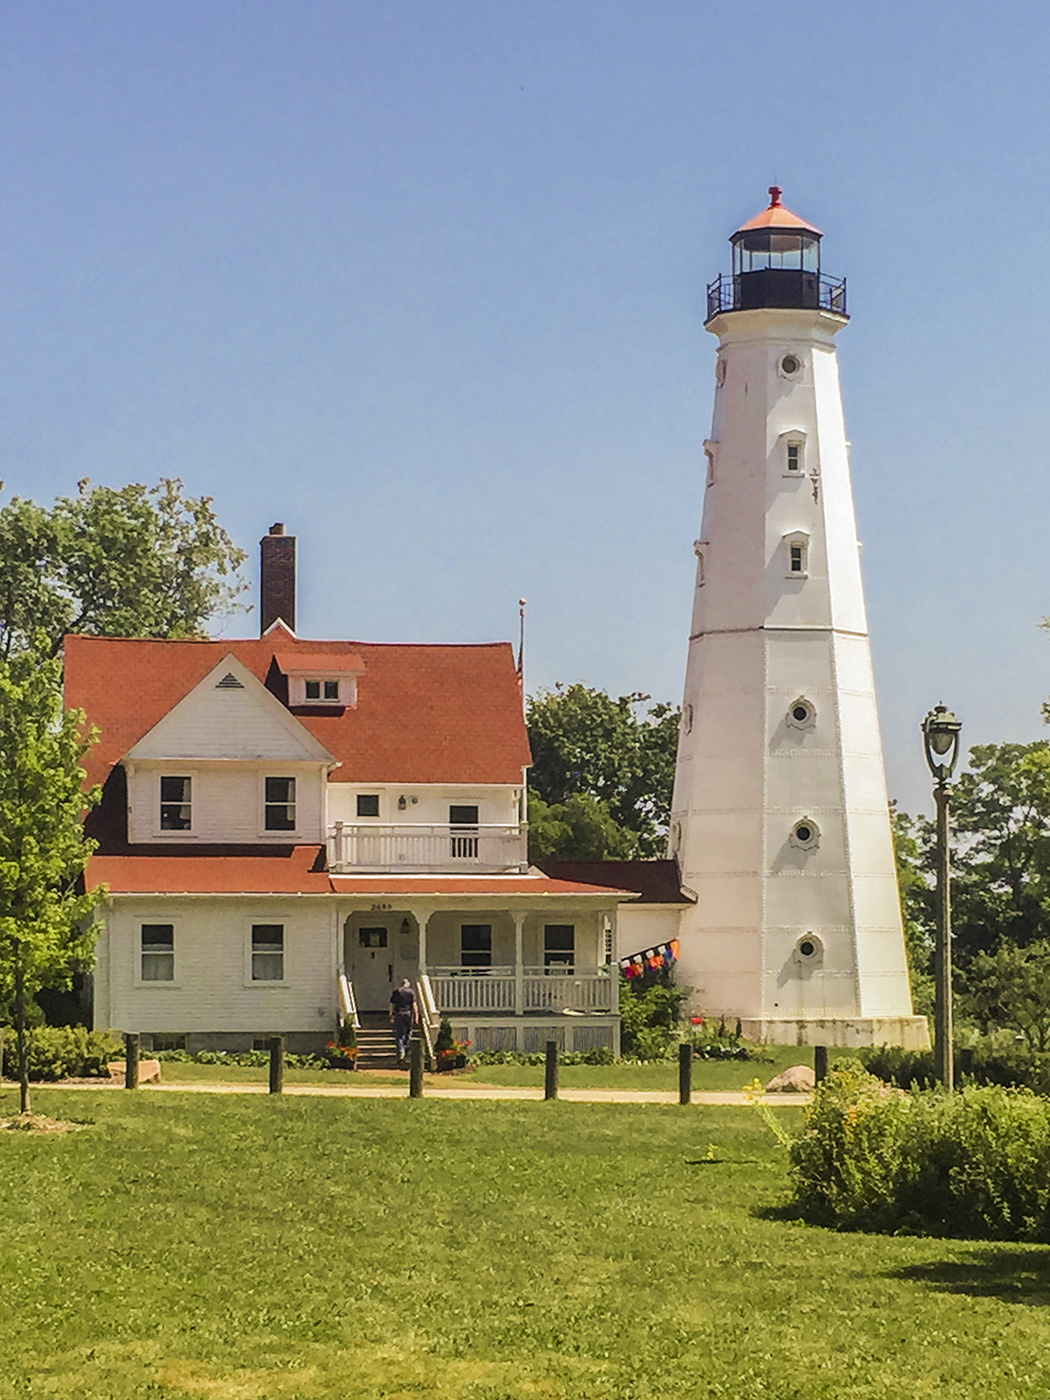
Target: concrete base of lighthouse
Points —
{"points": [[909, 1032]]}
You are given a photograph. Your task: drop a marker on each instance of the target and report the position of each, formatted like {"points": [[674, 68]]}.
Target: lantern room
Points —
{"points": [[776, 262]]}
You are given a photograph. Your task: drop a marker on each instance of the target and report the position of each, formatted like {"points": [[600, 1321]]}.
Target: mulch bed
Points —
{"points": [[38, 1123]]}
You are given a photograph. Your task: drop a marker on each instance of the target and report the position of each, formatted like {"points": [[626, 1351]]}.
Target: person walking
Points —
{"points": [[402, 1014]]}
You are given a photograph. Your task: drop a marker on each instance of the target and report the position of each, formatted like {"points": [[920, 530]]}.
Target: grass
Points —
{"points": [[268, 1249], [707, 1074]]}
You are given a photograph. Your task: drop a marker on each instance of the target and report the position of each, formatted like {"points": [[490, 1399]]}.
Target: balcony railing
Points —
{"points": [[426, 849], [494, 990], [725, 293]]}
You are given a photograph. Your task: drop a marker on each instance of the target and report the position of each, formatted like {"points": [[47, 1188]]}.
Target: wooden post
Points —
{"points": [[415, 1067], [277, 1064], [131, 1060], [550, 1084], [685, 1071], [820, 1062]]}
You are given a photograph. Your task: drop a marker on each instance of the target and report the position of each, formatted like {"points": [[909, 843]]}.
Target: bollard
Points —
{"points": [[277, 1064], [820, 1062], [685, 1072], [550, 1081], [131, 1060], [415, 1069]]}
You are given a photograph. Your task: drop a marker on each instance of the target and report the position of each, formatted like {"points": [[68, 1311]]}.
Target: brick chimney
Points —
{"points": [[277, 579]]}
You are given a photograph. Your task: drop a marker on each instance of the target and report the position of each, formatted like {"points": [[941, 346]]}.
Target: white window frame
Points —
{"points": [[166, 921], [800, 540], [372, 792], [256, 921], [183, 771], [793, 437], [346, 689], [288, 834]]}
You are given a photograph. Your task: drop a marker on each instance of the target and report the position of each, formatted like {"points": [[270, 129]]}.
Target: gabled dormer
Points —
{"points": [[227, 765]]}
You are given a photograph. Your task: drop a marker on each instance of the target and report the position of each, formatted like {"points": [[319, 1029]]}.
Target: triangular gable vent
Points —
{"points": [[229, 682]]}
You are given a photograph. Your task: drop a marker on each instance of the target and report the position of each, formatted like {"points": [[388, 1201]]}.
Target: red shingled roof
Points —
{"points": [[297, 873], [425, 714]]}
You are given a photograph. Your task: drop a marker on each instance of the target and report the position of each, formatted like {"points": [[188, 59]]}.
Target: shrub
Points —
{"points": [[600, 1055], [989, 1061], [875, 1157], [649, 1012], [63, 1052]]}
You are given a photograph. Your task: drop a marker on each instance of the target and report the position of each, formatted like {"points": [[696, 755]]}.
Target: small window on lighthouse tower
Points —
{"points": [[794, 457], [796, 549]]}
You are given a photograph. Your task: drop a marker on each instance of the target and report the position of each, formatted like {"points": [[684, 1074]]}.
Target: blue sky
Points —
{"points": [[425, 281]]}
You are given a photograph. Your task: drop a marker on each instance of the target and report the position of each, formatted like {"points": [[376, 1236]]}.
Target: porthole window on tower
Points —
{"points": [[801, 713], [809, 949], [805, 834], [790, 365]]}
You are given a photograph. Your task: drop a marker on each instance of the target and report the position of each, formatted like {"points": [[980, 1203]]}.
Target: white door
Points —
{"points": [[373, 966]]}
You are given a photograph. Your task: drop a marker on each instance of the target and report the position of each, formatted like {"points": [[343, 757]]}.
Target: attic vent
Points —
{"points": [[229, 682]]}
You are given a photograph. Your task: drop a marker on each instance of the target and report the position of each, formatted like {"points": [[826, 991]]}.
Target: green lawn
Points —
{"points": [[707, 1074], [247, 1248]]}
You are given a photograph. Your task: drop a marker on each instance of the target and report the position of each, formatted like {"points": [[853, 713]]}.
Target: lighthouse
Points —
{"points": [[780, 820]]}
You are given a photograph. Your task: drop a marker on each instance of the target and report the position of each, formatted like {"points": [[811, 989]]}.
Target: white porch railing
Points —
{"points": [[496, 989], [356, 846], [347, 1004]]}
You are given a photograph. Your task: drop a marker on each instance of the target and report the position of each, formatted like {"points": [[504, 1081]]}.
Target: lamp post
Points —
{"points": [[940, 732]]}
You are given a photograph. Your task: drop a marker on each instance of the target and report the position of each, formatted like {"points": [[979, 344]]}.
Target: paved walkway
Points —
{"points": [[455, 1093]]}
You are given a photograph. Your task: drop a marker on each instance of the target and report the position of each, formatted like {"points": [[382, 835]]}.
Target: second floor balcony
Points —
{"points": [[420, 849]]}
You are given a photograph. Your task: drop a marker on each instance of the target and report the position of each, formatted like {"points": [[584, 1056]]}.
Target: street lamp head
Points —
{"points": [[940, 731]]}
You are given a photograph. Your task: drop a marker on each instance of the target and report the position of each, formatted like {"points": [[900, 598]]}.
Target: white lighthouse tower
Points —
{"points": [[780, 819]]}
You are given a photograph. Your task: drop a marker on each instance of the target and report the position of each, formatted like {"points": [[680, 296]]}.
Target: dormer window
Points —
{"points": [[323, 692]]}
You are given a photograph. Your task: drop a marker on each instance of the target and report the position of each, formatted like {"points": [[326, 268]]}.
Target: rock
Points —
{"points": [[799, 1079], [148, 1070]]}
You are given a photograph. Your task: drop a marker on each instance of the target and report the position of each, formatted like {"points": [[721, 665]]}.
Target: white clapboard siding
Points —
{"points": [[212, 990], [229, 715], [227, 801]]}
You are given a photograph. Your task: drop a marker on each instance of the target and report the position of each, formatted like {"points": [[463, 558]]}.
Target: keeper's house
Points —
{"points": [[290, 827]]}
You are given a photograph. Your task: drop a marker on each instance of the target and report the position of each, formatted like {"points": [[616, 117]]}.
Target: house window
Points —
{"points": [[794, 456], [372, 937], [463, 822], [280, 804], [175, 804], [322, 690], [559, 945], [368, 804], [158, 952], [267, 952], [167, 1042], [475, 945]]}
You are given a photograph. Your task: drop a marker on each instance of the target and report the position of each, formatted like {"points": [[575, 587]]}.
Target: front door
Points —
{"points": [[373, 971]]}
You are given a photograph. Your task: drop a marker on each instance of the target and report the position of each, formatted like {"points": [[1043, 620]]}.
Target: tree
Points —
{"points": [[45, 932], [135, 562], [1011, 987], [586, 744], [917, 909], [1001, 863], [577, 829]]}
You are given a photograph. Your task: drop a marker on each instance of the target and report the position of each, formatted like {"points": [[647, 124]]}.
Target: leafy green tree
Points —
{"points": [[917, 908], [578, 829], [131, 562], [1001, 859], [45, 932], [1010, 987], [586, 744]]}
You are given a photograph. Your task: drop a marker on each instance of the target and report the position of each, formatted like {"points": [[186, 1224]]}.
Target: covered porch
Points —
{"points": [[510, 969]]}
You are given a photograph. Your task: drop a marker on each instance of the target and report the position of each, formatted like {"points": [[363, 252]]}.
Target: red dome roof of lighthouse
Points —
{"points": [[777, 216]]}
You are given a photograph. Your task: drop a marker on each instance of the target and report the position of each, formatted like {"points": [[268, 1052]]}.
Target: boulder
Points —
{"points": [[148, 1070], [799, 1079]]}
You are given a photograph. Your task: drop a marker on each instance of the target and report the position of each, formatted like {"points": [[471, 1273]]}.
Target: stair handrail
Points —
{"points": [[347, 1002], [429, 1016]]}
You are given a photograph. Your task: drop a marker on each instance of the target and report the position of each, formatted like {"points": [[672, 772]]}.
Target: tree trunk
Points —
{"points": [[20, 1028]]}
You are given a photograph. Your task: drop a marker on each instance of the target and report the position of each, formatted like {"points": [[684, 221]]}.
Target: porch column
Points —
{"points": [[519, 958], [422, 918]]}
